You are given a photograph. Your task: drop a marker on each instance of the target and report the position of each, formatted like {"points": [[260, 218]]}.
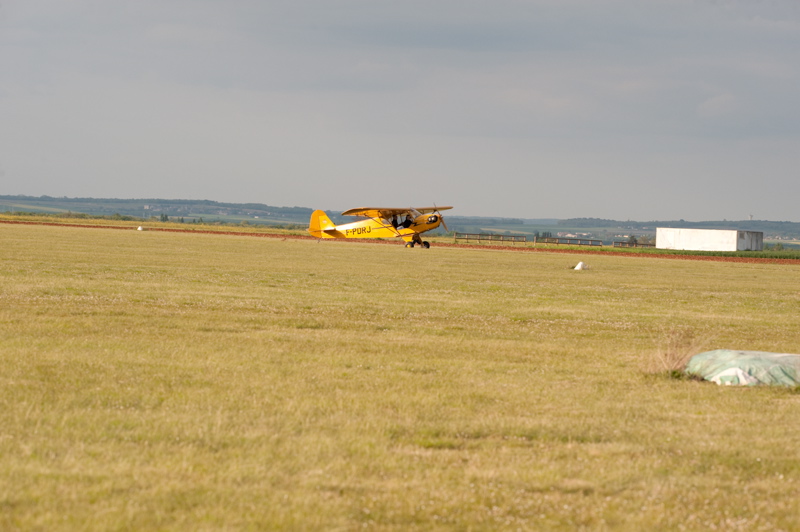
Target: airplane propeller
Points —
{"points": [[437, 211]]}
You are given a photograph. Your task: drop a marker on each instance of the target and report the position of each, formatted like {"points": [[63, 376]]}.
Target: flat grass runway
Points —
{"points": [[178, 381]]}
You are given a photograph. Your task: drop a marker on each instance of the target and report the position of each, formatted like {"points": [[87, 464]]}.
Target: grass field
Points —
{"points": [[177, 381]]}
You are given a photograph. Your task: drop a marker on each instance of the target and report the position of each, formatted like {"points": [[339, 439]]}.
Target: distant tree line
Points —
{"points": [[476, 220], [271, 215], [175, 208], [73, 215], [744, 225]]}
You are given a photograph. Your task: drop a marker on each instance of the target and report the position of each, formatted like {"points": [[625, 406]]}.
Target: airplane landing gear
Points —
{"points": [[426, 244]]}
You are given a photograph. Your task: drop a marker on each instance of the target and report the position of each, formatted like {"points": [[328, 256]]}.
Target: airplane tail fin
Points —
{"points": [[319, 223]]}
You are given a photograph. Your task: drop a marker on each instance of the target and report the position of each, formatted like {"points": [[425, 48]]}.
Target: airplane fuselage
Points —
{"points": [[379, 228], [407, 224]]}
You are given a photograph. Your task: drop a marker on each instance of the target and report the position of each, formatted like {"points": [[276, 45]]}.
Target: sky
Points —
{"points": [[620, 109]]}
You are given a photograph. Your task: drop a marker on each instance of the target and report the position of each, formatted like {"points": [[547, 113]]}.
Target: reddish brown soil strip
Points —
{"points": [[751, 260]]}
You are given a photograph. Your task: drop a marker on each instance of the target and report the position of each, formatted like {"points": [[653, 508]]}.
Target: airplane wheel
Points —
{"points": [[426, 244], [409, 244]]}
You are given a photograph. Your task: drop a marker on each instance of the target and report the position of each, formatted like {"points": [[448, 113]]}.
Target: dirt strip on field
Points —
{"points": [[711, 258]]}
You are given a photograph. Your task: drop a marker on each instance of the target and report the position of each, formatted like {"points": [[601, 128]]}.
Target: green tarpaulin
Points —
{"points": [[746, 368]]}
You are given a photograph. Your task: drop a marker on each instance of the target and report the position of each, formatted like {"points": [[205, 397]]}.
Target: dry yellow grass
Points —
{"points": [[181, 381]]}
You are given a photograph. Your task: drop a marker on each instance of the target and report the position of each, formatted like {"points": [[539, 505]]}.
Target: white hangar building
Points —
{"points": [[709, 239]]}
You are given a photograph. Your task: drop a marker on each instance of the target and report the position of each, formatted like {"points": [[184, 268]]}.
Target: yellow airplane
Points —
{"points": [[407, 224]]}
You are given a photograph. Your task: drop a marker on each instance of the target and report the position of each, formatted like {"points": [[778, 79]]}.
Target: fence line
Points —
{"points": [[569, 241], [632, 245], [480, 237]]}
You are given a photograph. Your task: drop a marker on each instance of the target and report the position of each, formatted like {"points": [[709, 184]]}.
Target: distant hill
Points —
{"points": [[151, 207], [785, 229], [260, 213], [257, 213]]}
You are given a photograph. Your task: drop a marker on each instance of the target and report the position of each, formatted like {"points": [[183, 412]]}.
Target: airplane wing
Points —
{"points": [[425, 210], [387, 212], [374, 212]]}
